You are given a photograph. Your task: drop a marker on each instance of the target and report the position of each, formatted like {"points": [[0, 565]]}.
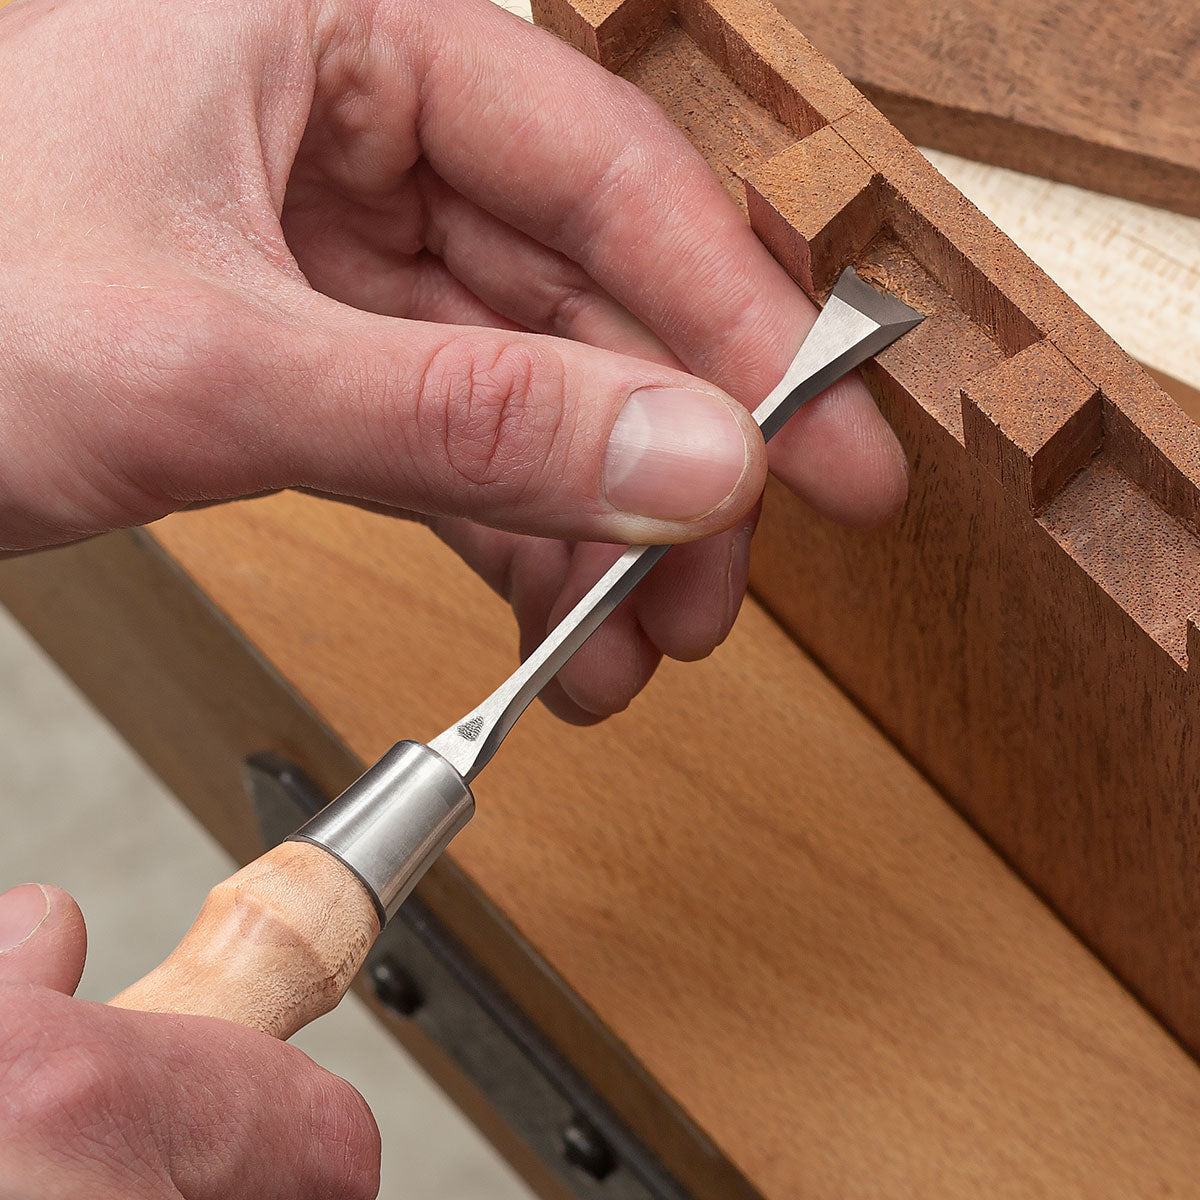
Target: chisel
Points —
{"points": [[278, 943]]}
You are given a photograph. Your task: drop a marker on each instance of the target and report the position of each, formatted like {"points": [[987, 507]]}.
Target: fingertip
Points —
{"points": [[350, 1143], [879, 486], [615, 665], [888, 491], [61, 902], [43, 938], [688, 606], [23, 910], [555, 698], [336, 1153]]}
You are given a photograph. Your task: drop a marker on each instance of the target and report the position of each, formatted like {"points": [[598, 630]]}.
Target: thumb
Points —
{"points": [[526, 432], [42, 937]]}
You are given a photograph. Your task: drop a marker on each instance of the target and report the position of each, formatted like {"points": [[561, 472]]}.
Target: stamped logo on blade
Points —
{"points": [[470, 730]]}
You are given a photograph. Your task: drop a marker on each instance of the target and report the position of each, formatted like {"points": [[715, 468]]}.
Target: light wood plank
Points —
{"points": [[738, 888]]}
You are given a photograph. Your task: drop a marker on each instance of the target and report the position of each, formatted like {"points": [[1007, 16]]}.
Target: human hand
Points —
{"points": [[115, 1105], [419, 256]]}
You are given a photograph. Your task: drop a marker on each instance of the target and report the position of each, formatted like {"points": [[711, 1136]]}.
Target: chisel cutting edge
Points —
{"points": [[393, 822]]}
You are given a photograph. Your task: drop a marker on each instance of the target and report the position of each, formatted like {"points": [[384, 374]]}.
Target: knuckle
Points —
{"points": [[133, 385], [76, 1080], [500, 408], [566, 303], [180, 341], [203, 366]]}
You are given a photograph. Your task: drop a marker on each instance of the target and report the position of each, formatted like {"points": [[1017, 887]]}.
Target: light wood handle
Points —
{"points": [[275, 945]]}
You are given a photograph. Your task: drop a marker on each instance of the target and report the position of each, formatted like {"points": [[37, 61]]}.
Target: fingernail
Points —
{"points": [[22, 910], [673, 454]]}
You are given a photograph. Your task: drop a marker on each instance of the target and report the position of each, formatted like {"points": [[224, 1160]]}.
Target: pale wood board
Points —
{"points": [[742, 887]]}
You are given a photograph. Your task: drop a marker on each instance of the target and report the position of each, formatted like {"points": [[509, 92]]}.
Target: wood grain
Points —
{"points": [[194, 697], [742, 913], [1134, 270], [1022, 629], [1103, 95], [275, 946]]}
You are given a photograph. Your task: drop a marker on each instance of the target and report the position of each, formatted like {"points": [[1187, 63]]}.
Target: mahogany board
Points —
{"points": [[1023, 630], [737, 908], [1099, 93]]}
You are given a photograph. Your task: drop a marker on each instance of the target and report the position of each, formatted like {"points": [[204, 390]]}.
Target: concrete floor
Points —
{"points": [[81, 811]]}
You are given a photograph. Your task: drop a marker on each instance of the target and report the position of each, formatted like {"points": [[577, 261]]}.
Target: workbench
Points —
{"points": [[731, 943]]}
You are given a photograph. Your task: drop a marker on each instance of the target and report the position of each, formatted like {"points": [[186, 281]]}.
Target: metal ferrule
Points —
{"points": [[391, 823]]}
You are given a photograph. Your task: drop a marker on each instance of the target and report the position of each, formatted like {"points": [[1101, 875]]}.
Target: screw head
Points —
{"points": [[584, 1148], [395, 987]]}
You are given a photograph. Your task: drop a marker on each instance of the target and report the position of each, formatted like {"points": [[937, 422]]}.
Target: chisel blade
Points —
{"points": [[855, 324]]}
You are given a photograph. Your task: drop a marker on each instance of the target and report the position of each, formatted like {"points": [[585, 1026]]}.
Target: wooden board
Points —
{"points": [[1098, 93], [1024, 629], [737, 908]]}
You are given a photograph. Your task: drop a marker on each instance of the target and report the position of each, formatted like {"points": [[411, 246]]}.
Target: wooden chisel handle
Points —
{"points": [[275, 945]]}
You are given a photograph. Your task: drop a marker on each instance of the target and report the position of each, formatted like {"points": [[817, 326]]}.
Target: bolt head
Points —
{"points": [[585, 1149], [395, 987]]}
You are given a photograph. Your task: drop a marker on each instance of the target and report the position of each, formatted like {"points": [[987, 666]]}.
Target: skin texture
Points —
{"points": [[99, 1102], [416, 256]]}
